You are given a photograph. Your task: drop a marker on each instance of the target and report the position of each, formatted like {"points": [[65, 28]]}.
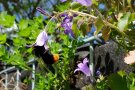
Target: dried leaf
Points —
{"points": [[99, 25], [106, 33]]}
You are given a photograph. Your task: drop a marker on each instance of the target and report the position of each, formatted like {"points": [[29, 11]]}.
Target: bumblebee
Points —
{"points": [[41, 50], [46, 55]]}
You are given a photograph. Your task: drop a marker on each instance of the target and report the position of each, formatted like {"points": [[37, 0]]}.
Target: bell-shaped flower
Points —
{"points": [[41, 39], [83, 67], [84, 2]]}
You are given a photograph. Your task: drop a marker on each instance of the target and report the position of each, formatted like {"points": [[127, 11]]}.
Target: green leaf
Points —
{"points": [[131, 78], [51, 26], [99, 25], [3, 38], [117, 82], [17, 59], [75, 29], [131, 35], [2, 51], [6, 20], [23, 24], [122, 73], [132, 17], [25, 32], [132, 88], [75, 5], [83, 28], [123, 22], [64, 6], [19, 41], [95, 2]]}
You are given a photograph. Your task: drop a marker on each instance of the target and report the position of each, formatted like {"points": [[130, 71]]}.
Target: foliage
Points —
{"points": [[114, 19]]}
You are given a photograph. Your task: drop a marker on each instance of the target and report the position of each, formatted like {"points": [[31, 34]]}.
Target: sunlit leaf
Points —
{"points": [[95, 2], [19, 41], [17, 59], [129, 2], [123, 22], [25, 32], [132, 88], [122, 73], [23, 24], [3, 38], [6, 20]]}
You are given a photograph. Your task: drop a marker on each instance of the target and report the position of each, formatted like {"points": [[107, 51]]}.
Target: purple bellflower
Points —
{"points": [[41, 39], [83, 67], [67, 24]]}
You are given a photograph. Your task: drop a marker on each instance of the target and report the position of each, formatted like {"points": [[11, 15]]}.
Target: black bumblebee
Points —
{"points": [[46, 55]]}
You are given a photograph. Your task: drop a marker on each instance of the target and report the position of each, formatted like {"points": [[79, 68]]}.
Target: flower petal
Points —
{"points": [[41, 39], [76, 70], [84, 2], [85, 60], [84, 68]]}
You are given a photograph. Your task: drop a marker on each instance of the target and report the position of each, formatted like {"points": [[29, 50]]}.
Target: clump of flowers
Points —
{"points": [[67, 24]]}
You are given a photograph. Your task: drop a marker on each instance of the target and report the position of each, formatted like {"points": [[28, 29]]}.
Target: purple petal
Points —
{"points": [[68, 19], [84, 2], [85, 61], [63, 0], [41, 39], [66, 31], [84, 68], [71, 34], [76, 70], [64, 15], [67, 27], [75, 15]]}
